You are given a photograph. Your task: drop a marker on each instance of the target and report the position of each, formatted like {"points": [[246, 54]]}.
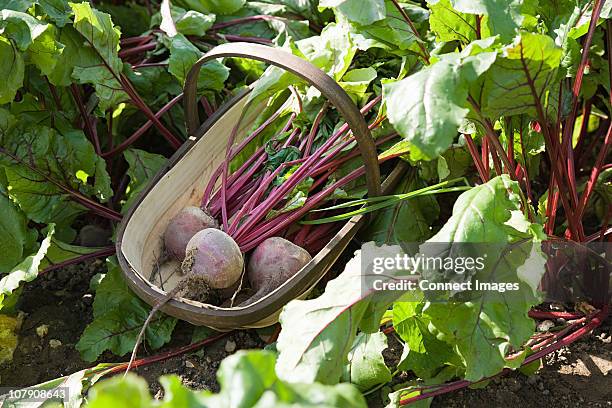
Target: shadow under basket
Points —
{"points": [[181, 182]]}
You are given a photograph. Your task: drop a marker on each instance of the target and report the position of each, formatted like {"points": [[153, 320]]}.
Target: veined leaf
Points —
{"points": [[191, 22], [17, 5], [449, 24], [483, 325], [428, 107], [521, 77], [47, 160], [33, 36], [131, 390], [118, 317], [484, 329], [494, 207], [73, 54], [318, 334], [99, 33], [102, 66]]}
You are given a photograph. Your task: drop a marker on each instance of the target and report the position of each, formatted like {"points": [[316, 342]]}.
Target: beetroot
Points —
{"points": [[182, 227], [213, 257], [273, 262], [212, 261]]}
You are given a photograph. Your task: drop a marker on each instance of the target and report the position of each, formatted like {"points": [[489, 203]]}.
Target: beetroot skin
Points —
{"points": [[182, 227], [273, 262], [214, 257]]}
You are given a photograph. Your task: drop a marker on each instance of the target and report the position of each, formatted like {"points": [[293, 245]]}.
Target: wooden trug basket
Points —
{"points": [[182, 180]]}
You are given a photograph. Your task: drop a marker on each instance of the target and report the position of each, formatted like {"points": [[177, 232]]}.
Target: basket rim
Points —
{"points": [[194, 311]]}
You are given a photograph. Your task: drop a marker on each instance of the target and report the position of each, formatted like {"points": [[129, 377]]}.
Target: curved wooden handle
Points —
{"points": [[305, 70]]}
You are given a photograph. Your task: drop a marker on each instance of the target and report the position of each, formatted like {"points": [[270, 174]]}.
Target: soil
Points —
{"points": [[577, 376]]}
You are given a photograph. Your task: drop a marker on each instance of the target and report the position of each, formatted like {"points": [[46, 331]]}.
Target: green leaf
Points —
{"points": [[556, 12], [245, 376], [73, 54], [133, 18], [356, 81], [192, 22], [212, 6], [58, 11], [14, 234], [39, 199], [30, 34], [390, 33], [61, 251], [521, 77], [187, 22], [407, 221], [458, 161], [449, 24], [424, 353], [366, 366], [247, 379], [22, 28], [504, 17], [11, 70], [53, 160], [45, 51], [142, 167], [27, 270], [486, 213], [99, 33], [118, 318], [313, 396], [332, 51], [17, 5], [318, 334], [184, 54], [356, 11], [486, 328], [120, 392], [103, 66], [482, 325], [295, 199], [177, 395], [428, 107]]}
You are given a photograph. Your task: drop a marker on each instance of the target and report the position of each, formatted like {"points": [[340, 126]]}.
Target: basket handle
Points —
{"points": [[305, 70]]}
